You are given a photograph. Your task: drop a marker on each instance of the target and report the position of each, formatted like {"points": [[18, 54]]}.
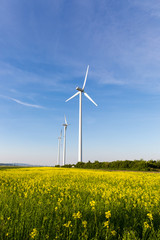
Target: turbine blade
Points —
{"points": [[72, 97], [65, 119], [90, 98], [85, 78], [61, 133]]}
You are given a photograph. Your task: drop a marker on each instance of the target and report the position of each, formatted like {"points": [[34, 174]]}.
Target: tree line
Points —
{"points": [[136, 165]]}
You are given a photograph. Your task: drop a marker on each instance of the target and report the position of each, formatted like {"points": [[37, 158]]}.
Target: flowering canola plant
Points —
{"points": [[59, 203]]}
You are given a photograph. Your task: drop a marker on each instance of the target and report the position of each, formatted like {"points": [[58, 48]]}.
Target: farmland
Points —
{"points": [[59, 203]]}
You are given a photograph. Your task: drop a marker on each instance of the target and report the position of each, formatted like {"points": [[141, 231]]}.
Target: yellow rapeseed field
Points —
{"points": [[59, 203]]}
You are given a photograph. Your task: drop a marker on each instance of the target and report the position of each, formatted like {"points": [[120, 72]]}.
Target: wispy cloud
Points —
{"points": [[26, 104], [102, 76], [41, 78], [22, 103]]}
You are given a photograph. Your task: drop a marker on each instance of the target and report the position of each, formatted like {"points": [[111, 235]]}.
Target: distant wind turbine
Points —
{"points": [[59, 148], [80, 91], [64, 142]]}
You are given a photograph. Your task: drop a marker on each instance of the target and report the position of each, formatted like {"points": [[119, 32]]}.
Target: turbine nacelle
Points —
{"points": [[79, 89], [65, 124]]}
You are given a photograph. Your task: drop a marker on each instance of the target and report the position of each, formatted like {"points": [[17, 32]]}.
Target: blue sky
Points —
{"points": [[45, 47]]}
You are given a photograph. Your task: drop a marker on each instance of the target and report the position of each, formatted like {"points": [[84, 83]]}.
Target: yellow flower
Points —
{"points": [[84, 224], [77, 215], [34, 233], [149, 215], [68, 224], [106, 224], [113, 233], [93, 203], [25, 194], [108, 214], [146, 225]]}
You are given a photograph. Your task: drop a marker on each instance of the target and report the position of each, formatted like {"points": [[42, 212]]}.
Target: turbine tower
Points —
{"points": [[80, 91], [64, 142], [59, 148]]}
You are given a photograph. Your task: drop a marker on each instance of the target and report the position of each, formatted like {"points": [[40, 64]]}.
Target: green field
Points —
{"points": [[56, 203]]}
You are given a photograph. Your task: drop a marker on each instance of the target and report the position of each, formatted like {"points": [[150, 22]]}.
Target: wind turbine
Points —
{"points": [[59, 148], [80, 91], [64, 142]]}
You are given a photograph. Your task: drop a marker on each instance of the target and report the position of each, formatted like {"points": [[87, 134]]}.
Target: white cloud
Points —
{"points": [[12, 77], [102, 76], [22, 103], [26, 104]]}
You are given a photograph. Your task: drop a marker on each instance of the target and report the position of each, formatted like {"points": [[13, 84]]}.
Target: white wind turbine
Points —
{"points": [[64, 142], [59, 148], [80, 91]]}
